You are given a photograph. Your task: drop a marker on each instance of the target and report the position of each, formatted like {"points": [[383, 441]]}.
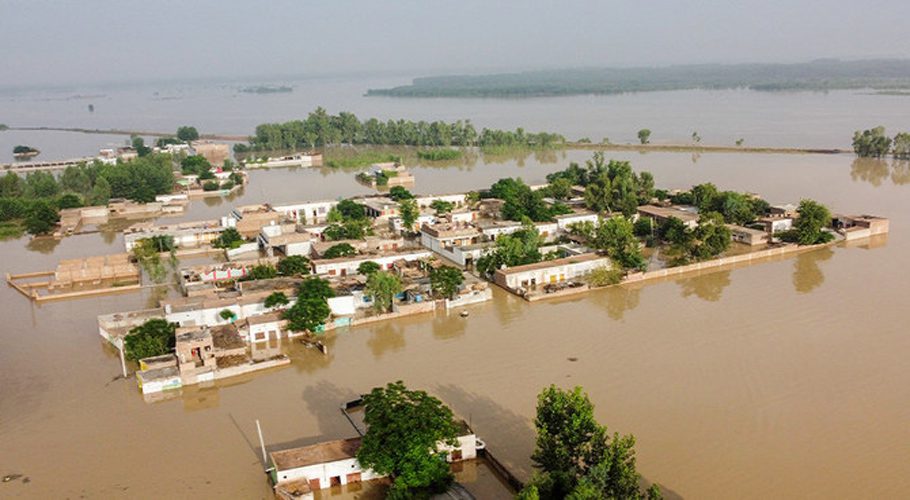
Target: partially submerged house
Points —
{"points": [[855, 227], [661, 214], [523, 278], [307, 469]]}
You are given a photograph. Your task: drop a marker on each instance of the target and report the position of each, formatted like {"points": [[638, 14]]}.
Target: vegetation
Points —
{"points": [[825, 74], [399, 193], [616, 237], [261, 272], [196, 165], [229, 239], [871, 143], [644, 136], [138, 144], [521, 202], [516, 249], [609, 186], [442, 206], [576, 456], [404, 431], [445, 281], [369, 267], [409, 212], [147, 253], [605, 276], [187, 133], [382, 286], [227, 314], [360, 159], [24, 150], [902, 146], [809, 226], [152, 338], [293, 265], [339, 250], [321, 129], [710, 238], [440, 154], [275, 300], [41, 218], [311, 308]]}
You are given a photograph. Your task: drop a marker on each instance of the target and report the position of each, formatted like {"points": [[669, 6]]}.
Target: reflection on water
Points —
{"points": [[45, 244], [876, 170], [807, 274], [387, 336], [616, 300], [708, 286]]}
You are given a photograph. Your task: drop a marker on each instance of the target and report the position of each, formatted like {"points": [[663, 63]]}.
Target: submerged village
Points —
{"points": [[305, 270]]}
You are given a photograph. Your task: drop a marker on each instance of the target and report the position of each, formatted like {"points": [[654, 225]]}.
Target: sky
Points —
{"points": [[60, 42]]}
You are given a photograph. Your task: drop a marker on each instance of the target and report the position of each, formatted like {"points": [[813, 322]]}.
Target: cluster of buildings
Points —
{"points": [[294, 160]]}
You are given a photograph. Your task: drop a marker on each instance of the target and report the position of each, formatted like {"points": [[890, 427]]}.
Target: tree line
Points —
{"points": [[37, 198], [321, 129], [875, 143]]}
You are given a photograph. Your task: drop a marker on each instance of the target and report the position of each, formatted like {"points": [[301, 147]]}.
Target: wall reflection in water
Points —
{"points": [[617, 300]]}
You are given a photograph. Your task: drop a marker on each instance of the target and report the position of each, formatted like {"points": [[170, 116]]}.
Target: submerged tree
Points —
{"points": [[644, 136], [577, 458], [152, 338], [871, 143], [404, 431]]}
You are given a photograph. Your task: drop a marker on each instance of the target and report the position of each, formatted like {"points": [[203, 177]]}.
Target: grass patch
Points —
{"points": [[11, 230], [439, 154], [358, 159]]}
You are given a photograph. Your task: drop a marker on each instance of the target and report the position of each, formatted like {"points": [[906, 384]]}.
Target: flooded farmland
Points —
{"points": [[784, 379]]}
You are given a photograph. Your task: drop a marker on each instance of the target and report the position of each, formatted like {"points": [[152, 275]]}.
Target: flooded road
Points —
{"points": [[781, 380]]}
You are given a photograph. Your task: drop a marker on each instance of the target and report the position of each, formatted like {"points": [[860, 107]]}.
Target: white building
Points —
{"points": [[344, 266], [334, 463], [311, 212], [549, 272], [566, 220]]}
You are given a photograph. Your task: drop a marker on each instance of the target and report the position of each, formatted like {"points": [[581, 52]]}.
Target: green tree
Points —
{"points": [[445, 281], [399, 193], [293, 265], [616, 236], [644, 136], [409, 213], [404, 432], [276, 299], [42, 218], [813, 218], [11, 185], [516, 249], [210, 186], [369, 267], [138, 144], [339, 250], [152, 338], [69, 200], [311, 308], [227, 315], [561, 189], [41, 185], [442, 206], [230, 239], [195, 165], [187, 133], [902, 145], [382, 286], [576, 455], [704, 195], [261, 272], [871, 143], [101, 192]]}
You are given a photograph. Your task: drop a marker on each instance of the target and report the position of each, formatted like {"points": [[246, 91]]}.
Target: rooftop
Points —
{"points": [[666, 212], [575, 259], [330, 451]]}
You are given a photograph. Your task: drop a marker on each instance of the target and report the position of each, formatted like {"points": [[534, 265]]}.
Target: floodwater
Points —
{"points": [[781, 380], [794, 119]]}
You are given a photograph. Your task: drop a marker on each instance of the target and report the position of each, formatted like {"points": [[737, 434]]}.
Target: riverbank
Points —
{"points": [[114, 131]]}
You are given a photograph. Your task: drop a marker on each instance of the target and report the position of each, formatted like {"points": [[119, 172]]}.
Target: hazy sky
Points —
{"points": [[86, 41]]}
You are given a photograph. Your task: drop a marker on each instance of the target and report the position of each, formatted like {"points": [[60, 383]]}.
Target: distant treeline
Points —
{"points": [[826, 74], [322, 129]]}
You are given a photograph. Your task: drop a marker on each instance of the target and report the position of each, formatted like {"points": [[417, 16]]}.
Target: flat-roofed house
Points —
{"points": [[566, 220], [310, 212], [855, 227], [334, 463], [344, 266], [747, 235], [548, 272], [662, 214]]}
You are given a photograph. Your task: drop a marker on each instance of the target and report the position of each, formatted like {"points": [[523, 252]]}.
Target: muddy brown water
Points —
{"points": [[780, 380]]}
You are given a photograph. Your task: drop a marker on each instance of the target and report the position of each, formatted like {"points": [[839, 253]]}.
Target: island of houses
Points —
{"points": [[380, 257]]}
